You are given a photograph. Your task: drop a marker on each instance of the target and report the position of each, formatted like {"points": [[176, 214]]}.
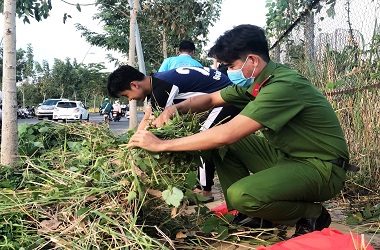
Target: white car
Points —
{"points": [[70, 110], [47, 107]]}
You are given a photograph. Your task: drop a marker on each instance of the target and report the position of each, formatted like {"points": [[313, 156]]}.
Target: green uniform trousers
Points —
{"points": [[261, 181]]}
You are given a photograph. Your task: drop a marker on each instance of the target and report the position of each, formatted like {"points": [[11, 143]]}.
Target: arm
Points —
{"points": [[194, 104], [144, 121], [225, 134]]}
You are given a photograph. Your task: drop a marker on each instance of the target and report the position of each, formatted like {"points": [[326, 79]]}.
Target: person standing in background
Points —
{"points": [[117, 106], [184, 59]]}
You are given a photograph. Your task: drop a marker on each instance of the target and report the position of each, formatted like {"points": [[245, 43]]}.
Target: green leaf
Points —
{"points": [[339, 82], [173, 196], [222, 232], [229, 217], [377, 210], [367, 212], [38, 144], [78, 7], [26, 20], [210, 224], [74, 169], [140, 163], [156, 156], [43, 129], [354, 219], [82, 211], [191, 179], [5, 184], [23, 128], [202, 198], [330, 86], [207, 229], [131, 196]]}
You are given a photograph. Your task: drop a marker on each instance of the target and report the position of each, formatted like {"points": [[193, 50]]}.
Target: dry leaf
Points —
{"points": [[174, 212], [48, 226], [117, 162], [91, 198], [180, 235], [154, 192]]}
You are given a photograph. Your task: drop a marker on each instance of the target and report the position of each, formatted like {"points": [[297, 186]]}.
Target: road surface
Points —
{"points": [[117, 127]]}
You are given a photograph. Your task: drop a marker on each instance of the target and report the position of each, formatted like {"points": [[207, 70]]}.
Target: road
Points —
{"points": [[117, 127]]}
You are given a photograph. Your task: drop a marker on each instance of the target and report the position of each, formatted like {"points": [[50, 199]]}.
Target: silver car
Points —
{"points": [[46, 108]]}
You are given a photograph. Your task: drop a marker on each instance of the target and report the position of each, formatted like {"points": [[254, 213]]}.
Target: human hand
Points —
{"points": [[146, 140], [164, 117]]}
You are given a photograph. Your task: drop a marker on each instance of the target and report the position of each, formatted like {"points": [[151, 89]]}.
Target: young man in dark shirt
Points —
{"points": [[170, 87]]}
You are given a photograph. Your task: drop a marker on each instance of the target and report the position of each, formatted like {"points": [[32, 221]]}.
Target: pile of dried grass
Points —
{"points": [[77, 186]]}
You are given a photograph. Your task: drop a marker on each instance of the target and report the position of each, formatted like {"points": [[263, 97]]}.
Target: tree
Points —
{"points": [[21, 63], [36, 9], [44, 78], [32, 8], [27, 72], [9, 124], [132, 51], [93, 82], [156, 26]]}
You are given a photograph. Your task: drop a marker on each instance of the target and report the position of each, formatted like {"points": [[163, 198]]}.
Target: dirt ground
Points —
{"points": [[338, 223]]}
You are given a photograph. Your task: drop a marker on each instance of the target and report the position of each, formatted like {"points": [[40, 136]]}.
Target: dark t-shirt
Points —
{"points": [[173, 86]]}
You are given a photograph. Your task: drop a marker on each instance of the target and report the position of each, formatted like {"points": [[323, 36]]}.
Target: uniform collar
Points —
{"points": [[264, 74]]}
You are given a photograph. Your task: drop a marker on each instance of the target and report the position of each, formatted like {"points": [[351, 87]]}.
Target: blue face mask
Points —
{"points": [[237, 77]]}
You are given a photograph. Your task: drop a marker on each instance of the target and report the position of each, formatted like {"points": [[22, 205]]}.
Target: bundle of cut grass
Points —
{"points": [[77, 186]]}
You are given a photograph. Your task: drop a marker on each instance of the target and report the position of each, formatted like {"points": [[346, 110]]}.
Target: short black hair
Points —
{"points": [[211, 52], [186, 46], [120, 79], [243, 39]]}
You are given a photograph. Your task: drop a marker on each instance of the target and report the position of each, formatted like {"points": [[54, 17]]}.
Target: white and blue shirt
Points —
{"points": [[173, 86]]}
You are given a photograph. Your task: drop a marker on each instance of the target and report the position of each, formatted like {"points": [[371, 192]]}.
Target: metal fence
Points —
{"points": [[341, 56], [341, 43]]}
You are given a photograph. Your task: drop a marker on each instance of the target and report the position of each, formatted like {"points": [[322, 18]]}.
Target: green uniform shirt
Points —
{"points": [[297, 118]]}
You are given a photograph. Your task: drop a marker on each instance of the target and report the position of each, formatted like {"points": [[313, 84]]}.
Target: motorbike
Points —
{"points": [[116, 115], [106, 117], [31, 111], [22, 113]]}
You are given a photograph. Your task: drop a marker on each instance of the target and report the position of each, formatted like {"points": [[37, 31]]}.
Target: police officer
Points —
{"points": [[300, 161]]}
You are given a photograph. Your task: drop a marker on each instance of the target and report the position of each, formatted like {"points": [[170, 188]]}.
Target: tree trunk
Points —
{"points": [[309, 36], [132, 52], [9, 138], [23, 94], [95, 102], [164, 44]]}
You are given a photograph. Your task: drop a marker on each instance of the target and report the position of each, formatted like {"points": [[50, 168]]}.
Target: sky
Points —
{"points": [[51, 38]]}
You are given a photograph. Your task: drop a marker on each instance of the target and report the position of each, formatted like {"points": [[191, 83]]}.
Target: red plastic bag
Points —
{"points": [[222, 209], [327, 239]]}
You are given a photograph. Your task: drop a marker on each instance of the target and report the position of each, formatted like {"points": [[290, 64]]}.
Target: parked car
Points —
{"points": [[47, 107], [70, 110]]}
